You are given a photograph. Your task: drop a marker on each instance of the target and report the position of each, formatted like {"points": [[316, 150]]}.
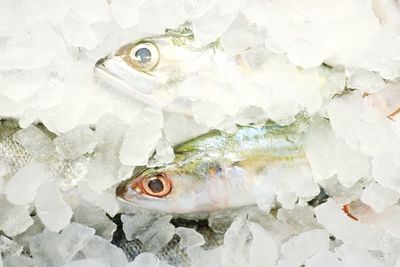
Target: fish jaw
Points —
{"points": [[131, 83]]}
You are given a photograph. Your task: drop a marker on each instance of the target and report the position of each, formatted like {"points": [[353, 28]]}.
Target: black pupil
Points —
{"points": [[144, 54], [156, 185]]}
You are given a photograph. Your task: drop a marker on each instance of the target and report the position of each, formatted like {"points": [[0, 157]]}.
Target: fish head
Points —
{"points": [[147, 69], [195, 187]]}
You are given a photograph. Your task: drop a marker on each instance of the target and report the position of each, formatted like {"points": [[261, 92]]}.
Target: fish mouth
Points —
{"points": [[102, 71]]}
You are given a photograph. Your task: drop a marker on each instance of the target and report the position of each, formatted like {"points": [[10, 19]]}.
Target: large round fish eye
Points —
{"points": [[144, 56], [157, 186]]}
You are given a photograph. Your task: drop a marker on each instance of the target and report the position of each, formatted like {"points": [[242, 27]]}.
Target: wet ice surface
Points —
{"points": [[337, 62]]}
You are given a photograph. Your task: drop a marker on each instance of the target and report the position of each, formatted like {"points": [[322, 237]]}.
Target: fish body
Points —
{"points": [[217, 170]]}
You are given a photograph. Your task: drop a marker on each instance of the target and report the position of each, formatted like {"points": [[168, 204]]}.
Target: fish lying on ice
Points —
{"points": [[217, 170], [149, 69]]}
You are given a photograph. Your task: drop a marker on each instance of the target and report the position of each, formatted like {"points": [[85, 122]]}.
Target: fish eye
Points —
{"points": [[157, 186], [144, 56]]}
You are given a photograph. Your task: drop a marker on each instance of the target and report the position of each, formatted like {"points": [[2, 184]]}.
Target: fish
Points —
{"points": [[148, 70], [217, 170]]}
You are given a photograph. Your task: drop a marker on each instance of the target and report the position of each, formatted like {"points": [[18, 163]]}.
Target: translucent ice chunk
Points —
{"points": [[126, 12], [9, 247], [305, 245], [18, 261], [13, 219], [248, 244], [23, 186], [146, 259], [101, 249], [75, 143], [94, 217], [157, 235], [24, 238], [164, 152], [86, 263], [51, 208], [200, 257], [43, 248], [174, 131], [263, 249], [72, 239], [207, 113], [332, 217], [77, 32], [351, 165], [320, 150], [25, 50], [105, 200], [211, 25], [378, 197], [141, 138], [134, 224], [189, 237], [325, 258], [353, 257], [366, 81], [91, 10]]}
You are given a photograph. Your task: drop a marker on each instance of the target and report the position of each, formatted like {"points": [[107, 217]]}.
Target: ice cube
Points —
{"points": [[155, 236], [72, 239], [53, 11], [287, 199], [125, 12], [200, 257], [146, 259], [18, 261], [353, 257], [105, 200], [370, 237], [385, 169], [51, 208], [91, 10], [86, 263], [235, 249], [134, 224], [366, 81], [75, 143], [300, 219], [211, 25], [92, 216], [351, 165], [263, 249], [164, 152], [25, 50], [43, 248], [4, 168], [23, 186], [301, 247], [77, 32], [24, 238], [325, 258], [189, 237], [141, 138], [174, 131], [101, 249], [13, 219], [36, 142], [320, 150], [207, 113], [345, 114], [9, 247], [379, 197]]}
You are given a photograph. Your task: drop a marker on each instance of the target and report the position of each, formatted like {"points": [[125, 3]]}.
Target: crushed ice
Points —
{"points": [[337, 61]]}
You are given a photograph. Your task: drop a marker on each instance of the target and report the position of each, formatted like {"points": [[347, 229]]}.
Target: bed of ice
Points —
{"points": [[47, 52]]}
